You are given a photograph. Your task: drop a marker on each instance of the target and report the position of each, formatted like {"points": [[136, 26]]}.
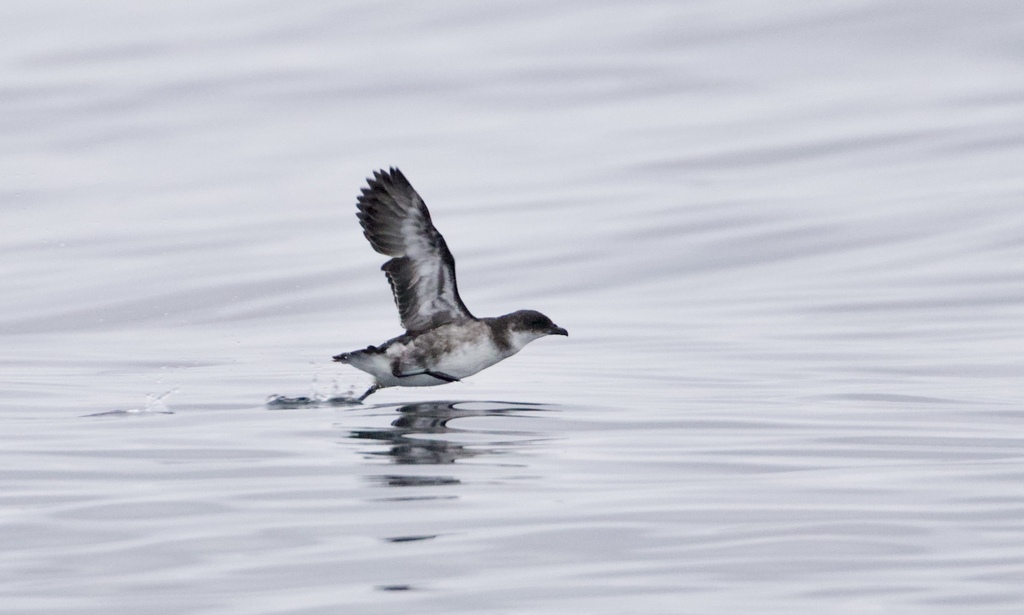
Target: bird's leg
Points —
{"points": [[370, 391], [424, 372]]}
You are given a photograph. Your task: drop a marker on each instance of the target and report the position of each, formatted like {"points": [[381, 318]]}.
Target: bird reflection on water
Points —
{"points": [[432, 418]]}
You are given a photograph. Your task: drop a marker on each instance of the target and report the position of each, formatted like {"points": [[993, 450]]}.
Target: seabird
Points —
{"points": [[442, 342]]}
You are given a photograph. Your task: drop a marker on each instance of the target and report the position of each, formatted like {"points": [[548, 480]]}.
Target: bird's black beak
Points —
{"points": [[558, 331]]}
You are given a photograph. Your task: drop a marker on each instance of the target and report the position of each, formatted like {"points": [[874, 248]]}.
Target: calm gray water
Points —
{"points": [[787, 240]]}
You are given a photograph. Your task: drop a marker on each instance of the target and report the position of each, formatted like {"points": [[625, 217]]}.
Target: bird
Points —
{"points": [[443, 342]]}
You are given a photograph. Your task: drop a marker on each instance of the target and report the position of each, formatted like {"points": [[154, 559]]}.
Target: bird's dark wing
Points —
{"points": [[422, 271]]}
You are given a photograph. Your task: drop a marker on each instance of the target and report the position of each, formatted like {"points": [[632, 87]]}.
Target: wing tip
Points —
{"points": [[388, 176], [391, 184]]}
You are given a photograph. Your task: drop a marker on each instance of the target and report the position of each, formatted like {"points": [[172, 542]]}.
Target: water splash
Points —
{"points": [[316, 399], [154, 405]]}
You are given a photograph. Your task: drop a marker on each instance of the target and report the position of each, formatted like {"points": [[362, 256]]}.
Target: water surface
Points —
{"points": [[786, 240]]}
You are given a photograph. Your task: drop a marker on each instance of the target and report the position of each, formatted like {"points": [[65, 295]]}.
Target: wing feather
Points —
{"points": [[421, 271]]}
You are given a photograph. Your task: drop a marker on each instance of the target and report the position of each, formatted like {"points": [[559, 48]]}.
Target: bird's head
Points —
{"points": [[529, 325]]}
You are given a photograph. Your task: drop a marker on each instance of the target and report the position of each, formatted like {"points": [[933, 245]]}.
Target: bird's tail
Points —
{"points": [[352, 358]]}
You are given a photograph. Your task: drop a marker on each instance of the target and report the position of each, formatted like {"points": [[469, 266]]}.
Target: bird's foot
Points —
{"points": [[370, 391]]}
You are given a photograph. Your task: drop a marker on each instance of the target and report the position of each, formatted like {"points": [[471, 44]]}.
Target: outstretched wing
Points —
{"points": [[422, 271]]}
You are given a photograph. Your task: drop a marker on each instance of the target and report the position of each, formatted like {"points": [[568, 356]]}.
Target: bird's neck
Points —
{"points": [[509, 340]]}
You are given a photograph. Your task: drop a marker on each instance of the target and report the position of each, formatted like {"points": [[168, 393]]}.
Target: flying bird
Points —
{"points": [[442, 342]]}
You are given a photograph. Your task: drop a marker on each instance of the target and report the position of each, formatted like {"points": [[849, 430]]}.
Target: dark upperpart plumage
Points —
{"points": [[421, 271]]}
